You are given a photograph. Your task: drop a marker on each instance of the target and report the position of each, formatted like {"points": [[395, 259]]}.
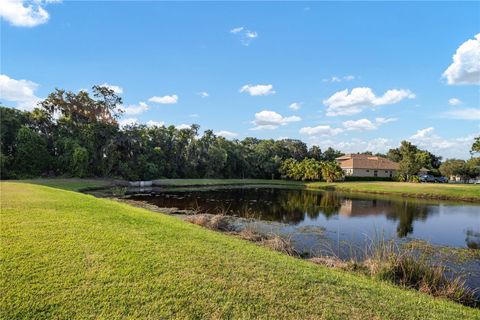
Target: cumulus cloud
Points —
{"points": [[454, 147], [381, 145], [25, 13], [295, 106], [116, 89], [454, 101], [271, 120], [258, 90], [203, 94], [345, 103], [423, 133], [365, 124], [172, 99], [463, 114], [339, 78], [152, 123], [323, 130], [465, 68], [127, 122], [135, 109], [20, 92], [226, 134], [246, 36], [182, 126], [428, 139]]}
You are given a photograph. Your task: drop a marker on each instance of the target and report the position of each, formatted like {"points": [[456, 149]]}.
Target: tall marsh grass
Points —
{"points": [[404, 266]]}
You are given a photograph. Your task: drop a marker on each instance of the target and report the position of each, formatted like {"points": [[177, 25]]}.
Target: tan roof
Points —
{"points": [[363, 161], [354, 155]]}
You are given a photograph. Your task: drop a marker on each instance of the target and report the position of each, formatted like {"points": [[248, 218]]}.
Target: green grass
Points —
{"points": [[467, 192], [69, 255], [217, 182], [73, 184]]}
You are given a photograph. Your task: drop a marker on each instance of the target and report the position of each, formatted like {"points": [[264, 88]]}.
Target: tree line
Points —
{"points": [[78, 135]]}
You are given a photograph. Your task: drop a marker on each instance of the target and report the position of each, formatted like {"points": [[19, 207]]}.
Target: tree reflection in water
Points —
{"points": [[472, 239], [293, 206]]}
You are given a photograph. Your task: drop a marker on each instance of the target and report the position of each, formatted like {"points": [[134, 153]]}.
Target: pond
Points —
{"points": [[328, 222], [349, 216]]}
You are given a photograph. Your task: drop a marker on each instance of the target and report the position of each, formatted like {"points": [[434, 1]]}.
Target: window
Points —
{"points": [[375, 173], [368, 170], [386, 171]]}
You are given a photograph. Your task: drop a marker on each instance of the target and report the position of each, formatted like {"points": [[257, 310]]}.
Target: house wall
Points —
{"points": [[369, 173]]}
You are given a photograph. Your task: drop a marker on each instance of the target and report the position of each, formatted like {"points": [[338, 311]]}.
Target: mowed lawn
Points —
{"points": [[469, 192], [68, 255]]}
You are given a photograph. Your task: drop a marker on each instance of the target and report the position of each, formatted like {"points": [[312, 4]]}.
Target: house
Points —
{"points": [[365, 165]]}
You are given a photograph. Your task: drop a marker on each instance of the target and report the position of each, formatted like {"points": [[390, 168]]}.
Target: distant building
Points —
{"points": [[423, 171], [365, 165]]}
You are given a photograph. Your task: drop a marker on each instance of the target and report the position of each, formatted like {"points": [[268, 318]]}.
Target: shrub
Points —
{"points": [[415, 179], [80, 162], [31, 157]]}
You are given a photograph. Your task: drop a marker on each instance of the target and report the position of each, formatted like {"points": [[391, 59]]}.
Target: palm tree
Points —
{"points": [[331, 171]]}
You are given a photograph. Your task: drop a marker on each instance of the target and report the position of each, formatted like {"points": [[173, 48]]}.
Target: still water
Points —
{"points": [[308, 216]]}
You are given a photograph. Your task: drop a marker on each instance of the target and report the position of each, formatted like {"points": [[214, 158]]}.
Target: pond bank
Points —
{"points": [[112, 260], [411, 264], [458, 192]]}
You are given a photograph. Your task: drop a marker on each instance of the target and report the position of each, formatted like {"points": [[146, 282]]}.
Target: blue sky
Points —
{"points": [[354, 76]]}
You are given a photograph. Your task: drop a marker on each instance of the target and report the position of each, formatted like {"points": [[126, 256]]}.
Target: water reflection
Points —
{"points": [[472, 239], [294, 207]]}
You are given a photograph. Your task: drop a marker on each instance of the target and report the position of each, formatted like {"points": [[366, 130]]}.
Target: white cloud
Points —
{"points": [[237, 30], [454, 101], [454, 147], [152, 123], [463, 114], [193, 115], [116, 89], [203, 94], [23, 13], [295, 106], [251, 34], [323, 130], [271, 120], [127, 122], [359, 125], [135, 109], [377, 145], [182, 126], [226, 134], [21, 92], [423, 133], [345, 103], [339, 78], [258, 90], [365, 124], [172, 99], [465, 68], [246, 36]]}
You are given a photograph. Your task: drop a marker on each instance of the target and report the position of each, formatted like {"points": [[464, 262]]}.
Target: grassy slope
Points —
{"points": [[69, 255], [73, 184], [422, 190]]}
